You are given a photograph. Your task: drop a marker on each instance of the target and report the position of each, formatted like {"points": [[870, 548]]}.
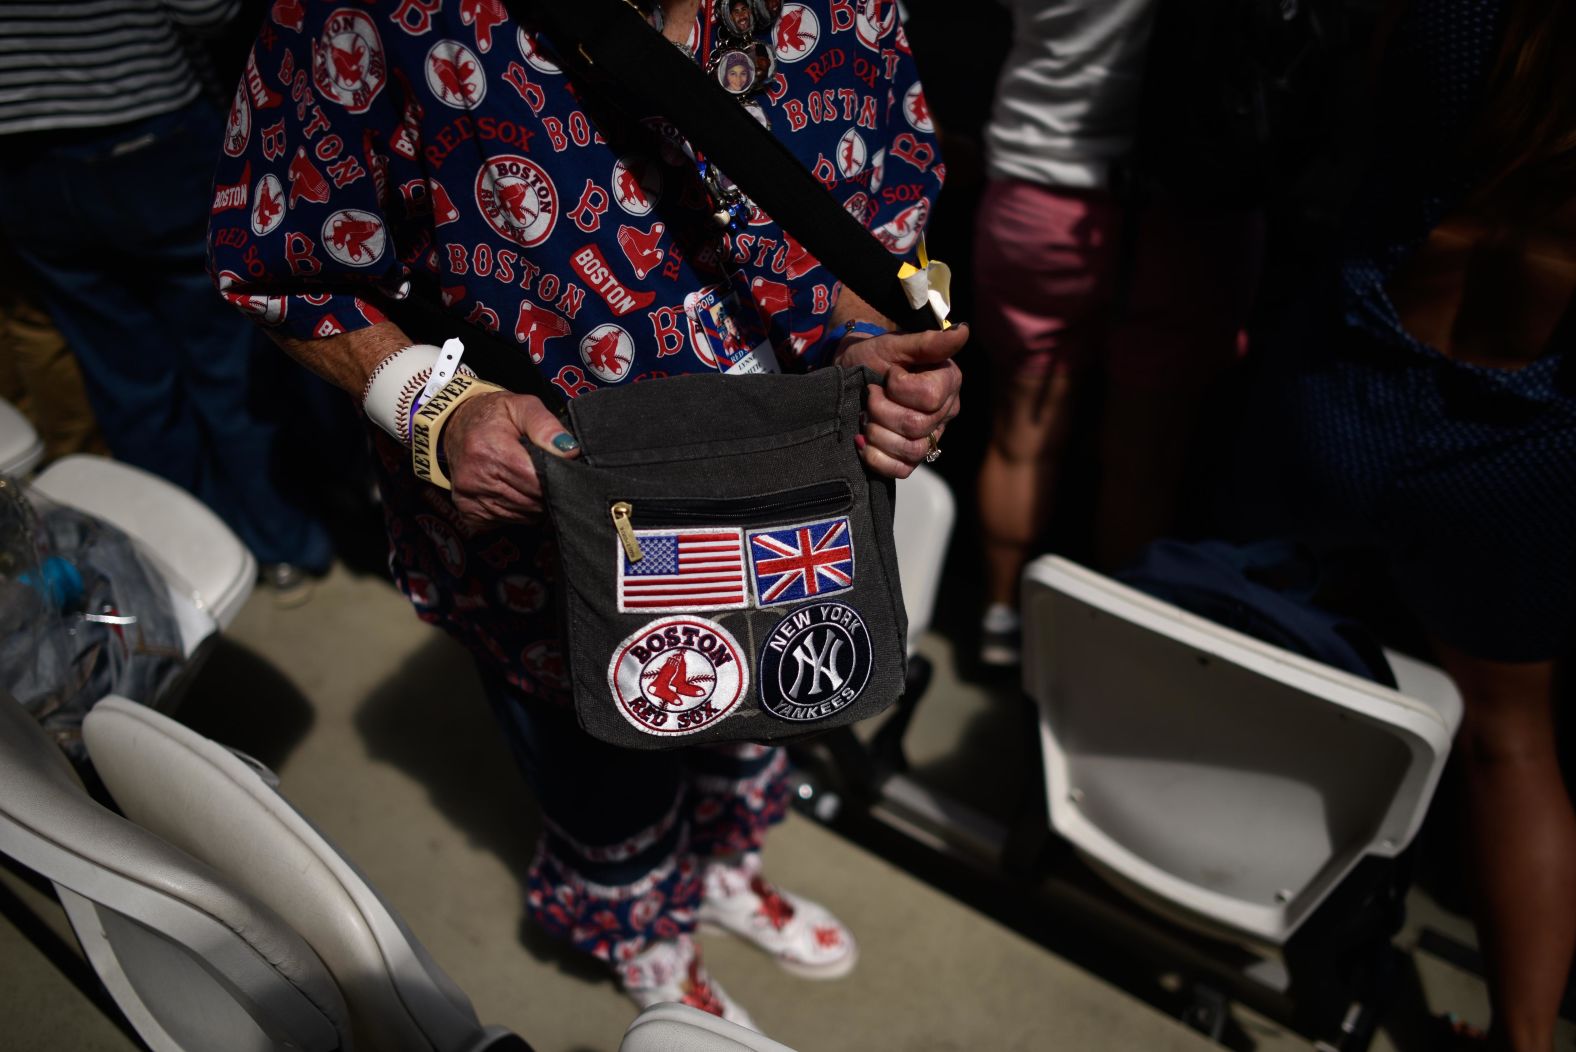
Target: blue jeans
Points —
{"points": [[113, 222]]}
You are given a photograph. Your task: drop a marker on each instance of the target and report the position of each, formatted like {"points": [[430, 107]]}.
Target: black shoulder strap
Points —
{"points": [[618, 43]]}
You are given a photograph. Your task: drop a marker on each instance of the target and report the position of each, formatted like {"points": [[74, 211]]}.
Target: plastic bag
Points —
{"points": [[82, 615]]}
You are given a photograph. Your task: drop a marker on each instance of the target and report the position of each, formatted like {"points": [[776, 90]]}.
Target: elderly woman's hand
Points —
{"points": [[907, 412]]}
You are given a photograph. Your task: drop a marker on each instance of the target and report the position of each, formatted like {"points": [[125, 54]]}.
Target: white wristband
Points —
{"points": [[396, 386], [448, 363]]}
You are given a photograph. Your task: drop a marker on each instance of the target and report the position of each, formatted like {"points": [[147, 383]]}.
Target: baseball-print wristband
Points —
{"points": [[427, 425], [394, 390]]}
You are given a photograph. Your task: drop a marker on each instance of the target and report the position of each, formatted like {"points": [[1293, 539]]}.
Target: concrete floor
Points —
{"points": [[376, 725]]}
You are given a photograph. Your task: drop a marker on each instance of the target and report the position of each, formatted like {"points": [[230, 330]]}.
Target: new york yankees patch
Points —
{"points": [[814, 663]]}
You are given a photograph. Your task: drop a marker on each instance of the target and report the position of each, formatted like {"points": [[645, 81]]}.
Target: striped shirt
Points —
{"points": [[98, 63]]}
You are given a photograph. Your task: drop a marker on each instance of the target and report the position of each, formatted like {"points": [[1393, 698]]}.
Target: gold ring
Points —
{"points": [[932, 449]]}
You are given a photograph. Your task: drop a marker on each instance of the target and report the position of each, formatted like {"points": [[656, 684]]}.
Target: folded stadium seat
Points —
{"points": [[224, 806], [673, 1027], [921, 527], [223, 809], [210, 572], [20, 447], [838, 764], [1227, 784], [196, 963]]}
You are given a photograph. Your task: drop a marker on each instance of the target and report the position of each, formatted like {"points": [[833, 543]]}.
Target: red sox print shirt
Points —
{"points": [[437, 145]]}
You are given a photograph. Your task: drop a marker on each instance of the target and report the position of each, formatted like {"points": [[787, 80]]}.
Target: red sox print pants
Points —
{"points": [[625, 832]]}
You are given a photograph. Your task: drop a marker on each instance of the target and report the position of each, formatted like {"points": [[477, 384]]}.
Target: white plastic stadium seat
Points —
{"points": [[196, 964], [1217, 778], [206, 565], [680, 1028], [223, 809], [921, 528], [20, 447]]}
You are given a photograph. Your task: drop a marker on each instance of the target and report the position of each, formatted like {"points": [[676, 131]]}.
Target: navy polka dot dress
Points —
{"points": [[1463, 475]]}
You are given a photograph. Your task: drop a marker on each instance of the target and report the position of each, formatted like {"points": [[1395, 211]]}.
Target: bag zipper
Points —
{"points": [[821, 498]]}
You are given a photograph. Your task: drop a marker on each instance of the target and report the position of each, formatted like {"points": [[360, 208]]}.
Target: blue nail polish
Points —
{"points": [[564, 442]]}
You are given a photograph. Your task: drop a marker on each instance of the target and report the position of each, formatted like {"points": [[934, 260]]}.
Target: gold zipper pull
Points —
{"points": [[626, 533]]}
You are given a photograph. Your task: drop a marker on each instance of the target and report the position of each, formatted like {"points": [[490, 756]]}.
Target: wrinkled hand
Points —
{"points": [[920, 394], [484, 444]]}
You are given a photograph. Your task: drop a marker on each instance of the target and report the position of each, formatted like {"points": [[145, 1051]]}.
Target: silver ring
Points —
{"points": [[933, 449]]}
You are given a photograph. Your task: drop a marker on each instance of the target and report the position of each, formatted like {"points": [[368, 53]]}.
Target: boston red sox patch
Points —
{"points": [[796, 33], [348, 65], [238, 127], [454, 75], [607, 351], [533, 54], [637, 184], [270, 310], [354, 237], [268, 205], [814, 663], [916, 109], [851, 154], [678, 675], [902, 232], [517, 198], [874, 21]]}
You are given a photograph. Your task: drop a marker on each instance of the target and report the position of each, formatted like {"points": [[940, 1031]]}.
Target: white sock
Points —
{"points": [[999, 617]]}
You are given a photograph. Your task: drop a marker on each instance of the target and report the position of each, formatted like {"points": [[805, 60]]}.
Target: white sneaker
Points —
{"points": [[671, 970], [1001, 637], [803, 936]]}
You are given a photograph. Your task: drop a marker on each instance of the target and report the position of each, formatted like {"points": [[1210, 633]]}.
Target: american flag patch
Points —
{"points": [[694, 569], [790, 563]]}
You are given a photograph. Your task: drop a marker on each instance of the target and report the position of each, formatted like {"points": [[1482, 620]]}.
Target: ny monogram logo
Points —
{"points": [[818, 663]]}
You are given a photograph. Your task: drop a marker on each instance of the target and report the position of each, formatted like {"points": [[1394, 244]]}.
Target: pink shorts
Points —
{"points": [[1047, 265]]}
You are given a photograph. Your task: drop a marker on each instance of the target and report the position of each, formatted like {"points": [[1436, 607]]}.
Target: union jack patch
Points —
{"points": [[790, 563]]}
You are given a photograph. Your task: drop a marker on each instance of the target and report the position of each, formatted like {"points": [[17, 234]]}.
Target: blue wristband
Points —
{"points": [[841, 332], [869, 328]]}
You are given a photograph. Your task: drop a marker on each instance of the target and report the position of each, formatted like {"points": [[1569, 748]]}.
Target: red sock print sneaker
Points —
{"points": [[803, 936], [671, 970]]}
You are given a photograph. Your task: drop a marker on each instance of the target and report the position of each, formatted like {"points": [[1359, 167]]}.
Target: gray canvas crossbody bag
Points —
{"points": [[728, 566]]}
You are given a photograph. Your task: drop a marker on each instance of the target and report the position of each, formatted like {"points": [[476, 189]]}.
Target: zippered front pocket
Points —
{"points": [[803, 502], [716, 553]]}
